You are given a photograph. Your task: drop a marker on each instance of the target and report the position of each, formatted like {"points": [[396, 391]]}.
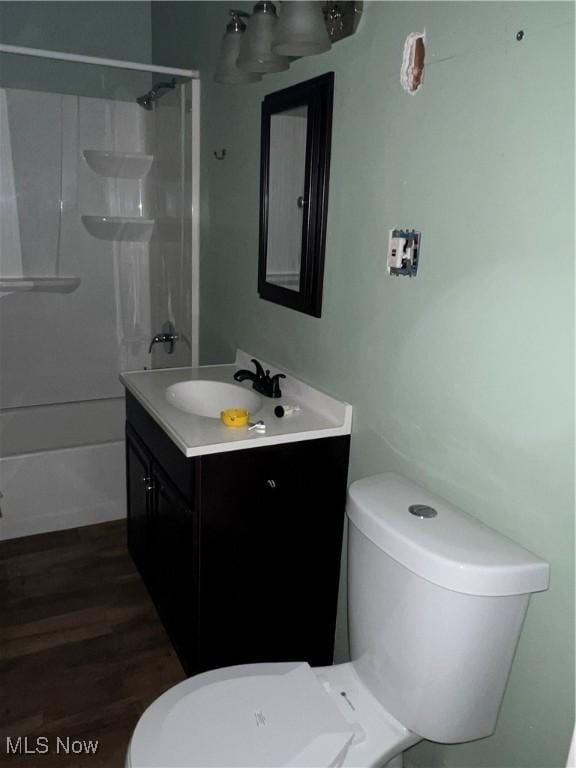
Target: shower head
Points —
{"points": [[147, 100]]}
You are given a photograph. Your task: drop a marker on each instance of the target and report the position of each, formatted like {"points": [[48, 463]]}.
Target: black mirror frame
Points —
{"points": [[317, 94]]}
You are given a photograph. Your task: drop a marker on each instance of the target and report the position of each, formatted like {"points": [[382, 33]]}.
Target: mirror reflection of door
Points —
{"points": [[286, 196]]}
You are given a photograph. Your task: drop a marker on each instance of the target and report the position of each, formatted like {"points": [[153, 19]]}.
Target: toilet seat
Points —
{"points": [[274, 715], [267, 715]]}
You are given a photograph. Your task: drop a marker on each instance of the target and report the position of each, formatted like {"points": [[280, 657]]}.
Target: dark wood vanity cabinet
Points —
{"points": [[241, 550]]}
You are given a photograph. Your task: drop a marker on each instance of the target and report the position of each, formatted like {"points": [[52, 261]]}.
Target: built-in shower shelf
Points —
{"points": [[132, 229], [118, 165], [39, 284]]}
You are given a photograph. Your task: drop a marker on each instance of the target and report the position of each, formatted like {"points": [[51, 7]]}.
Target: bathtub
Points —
{"points": [[61, 466]]}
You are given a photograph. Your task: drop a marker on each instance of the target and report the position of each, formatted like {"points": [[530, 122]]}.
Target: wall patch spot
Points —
{"points": [[412, 71]]}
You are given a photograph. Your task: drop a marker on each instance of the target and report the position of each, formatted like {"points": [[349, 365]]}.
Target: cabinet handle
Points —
{"points": [[271, 483], [148, 483]]}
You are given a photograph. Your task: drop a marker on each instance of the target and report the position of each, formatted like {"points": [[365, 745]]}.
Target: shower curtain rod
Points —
{"points": [[80, 59]]}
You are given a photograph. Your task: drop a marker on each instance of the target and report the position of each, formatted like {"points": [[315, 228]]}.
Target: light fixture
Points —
{"points": [[267, 43], [227, 70], [301, 29], [255, 51], [341, 17]]}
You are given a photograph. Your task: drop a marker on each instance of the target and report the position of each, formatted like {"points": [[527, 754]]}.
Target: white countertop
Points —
{"points": [[321, 414]]}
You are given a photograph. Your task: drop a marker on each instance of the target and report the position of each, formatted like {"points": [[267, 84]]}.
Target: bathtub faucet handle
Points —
{"points": [[164, 338]]}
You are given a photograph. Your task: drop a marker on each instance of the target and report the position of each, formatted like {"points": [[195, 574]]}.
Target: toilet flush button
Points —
{"points": [[422, 510]]}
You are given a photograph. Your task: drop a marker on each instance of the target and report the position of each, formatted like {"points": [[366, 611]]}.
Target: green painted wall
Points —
{"points": [[463, 378], [115, 30]]}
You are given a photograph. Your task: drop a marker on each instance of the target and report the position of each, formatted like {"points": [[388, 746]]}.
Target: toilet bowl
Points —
{"points": [[262, 715], [436, 605]]}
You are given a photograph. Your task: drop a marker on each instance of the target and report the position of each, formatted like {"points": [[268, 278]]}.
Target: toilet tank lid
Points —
{"points": [[451, 549]]}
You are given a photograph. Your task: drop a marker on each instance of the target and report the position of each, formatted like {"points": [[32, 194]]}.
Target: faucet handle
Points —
{"points": [[259, 369], [275, 384], [164, 338], [156, 340]]}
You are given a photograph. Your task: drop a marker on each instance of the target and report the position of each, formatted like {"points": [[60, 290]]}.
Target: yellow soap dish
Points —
{"points": [[235, 417]]}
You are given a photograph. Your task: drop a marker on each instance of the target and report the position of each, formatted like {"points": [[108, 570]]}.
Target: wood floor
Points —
{"points": [[82, 651]]}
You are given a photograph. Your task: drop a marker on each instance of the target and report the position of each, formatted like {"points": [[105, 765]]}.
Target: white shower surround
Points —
{"points": [[10, 250], [64, 368], [108, 317]]}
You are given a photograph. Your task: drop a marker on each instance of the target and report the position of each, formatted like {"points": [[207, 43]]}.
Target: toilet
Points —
{"points": [[436, 605]]}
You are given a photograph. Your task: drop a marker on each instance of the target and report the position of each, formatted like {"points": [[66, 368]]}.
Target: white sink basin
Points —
{"points": [[208, 398]]}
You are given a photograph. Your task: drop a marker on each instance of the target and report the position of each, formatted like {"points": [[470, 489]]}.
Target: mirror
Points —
{"points": [[294, 174]]}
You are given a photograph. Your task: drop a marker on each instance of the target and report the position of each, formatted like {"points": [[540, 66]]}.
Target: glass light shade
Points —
{"points": [[301, 30], [255, 51], [227, 71]]}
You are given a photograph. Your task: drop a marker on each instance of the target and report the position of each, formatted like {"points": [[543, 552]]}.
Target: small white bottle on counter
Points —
{"points": [[286, 410]]}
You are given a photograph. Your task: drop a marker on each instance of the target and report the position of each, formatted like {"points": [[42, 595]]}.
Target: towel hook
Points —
{"points": [[220, 156]]}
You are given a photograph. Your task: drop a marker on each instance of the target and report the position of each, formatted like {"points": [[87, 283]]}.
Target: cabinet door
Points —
{"points": [[173, 555], [271, 537], [139, 484]]}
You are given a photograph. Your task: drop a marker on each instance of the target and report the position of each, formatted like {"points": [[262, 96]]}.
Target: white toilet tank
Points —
{"points": [[436, 606]]}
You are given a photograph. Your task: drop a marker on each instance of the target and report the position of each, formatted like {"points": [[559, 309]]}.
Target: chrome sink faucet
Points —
{"points": [[262, 382]]}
